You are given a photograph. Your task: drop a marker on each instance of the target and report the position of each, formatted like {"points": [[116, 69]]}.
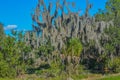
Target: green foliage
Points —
{"points": [[12, 56], [114, 64], [102, 15], [4, 69], [74, 47], [72, 54], [1, 31], [111, 12], [9, 57], [114, 35], [112, 44], [112, 48], [15, 54], [109, 48], [47, 49], [49, 70], [113, 6]]}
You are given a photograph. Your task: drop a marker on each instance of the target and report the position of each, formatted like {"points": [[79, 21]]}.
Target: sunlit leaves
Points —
{"points": [[74, 47]]}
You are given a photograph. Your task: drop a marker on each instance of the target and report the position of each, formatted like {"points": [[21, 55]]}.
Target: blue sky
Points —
{"points": [[17, 13]]}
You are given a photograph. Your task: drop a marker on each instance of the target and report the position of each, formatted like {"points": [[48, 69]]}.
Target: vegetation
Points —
{"points": [[111, 78], [63, 45]]}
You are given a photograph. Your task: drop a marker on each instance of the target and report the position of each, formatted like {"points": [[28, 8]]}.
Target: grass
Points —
{"points": [[64, 77], [111, 78], [34, 77]]}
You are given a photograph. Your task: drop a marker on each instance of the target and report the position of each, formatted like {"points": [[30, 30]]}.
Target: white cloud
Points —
{"points": [[10, 27]]}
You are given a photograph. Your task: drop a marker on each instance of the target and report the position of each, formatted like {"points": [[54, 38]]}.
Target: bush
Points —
{"points": [[6, 71], [114, 64]]}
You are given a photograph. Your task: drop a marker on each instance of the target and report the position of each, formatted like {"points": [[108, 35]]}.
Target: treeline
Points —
{"points": [[63, 43]]}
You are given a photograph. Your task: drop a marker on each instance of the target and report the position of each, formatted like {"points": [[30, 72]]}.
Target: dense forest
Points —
{"points": [[63, 43]]}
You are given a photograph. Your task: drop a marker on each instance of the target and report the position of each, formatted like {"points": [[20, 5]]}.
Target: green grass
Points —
{"points": [[61, 77], [7, 79], [64, 77], [111, 78]]}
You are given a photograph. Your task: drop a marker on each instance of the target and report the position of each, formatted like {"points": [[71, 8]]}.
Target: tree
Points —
{"points": [[2, 34], [58, 29], [13, 61], [112, 42], [113, 8]]}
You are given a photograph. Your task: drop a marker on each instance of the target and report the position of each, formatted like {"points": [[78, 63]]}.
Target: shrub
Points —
{"points": [[114, 64]]}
